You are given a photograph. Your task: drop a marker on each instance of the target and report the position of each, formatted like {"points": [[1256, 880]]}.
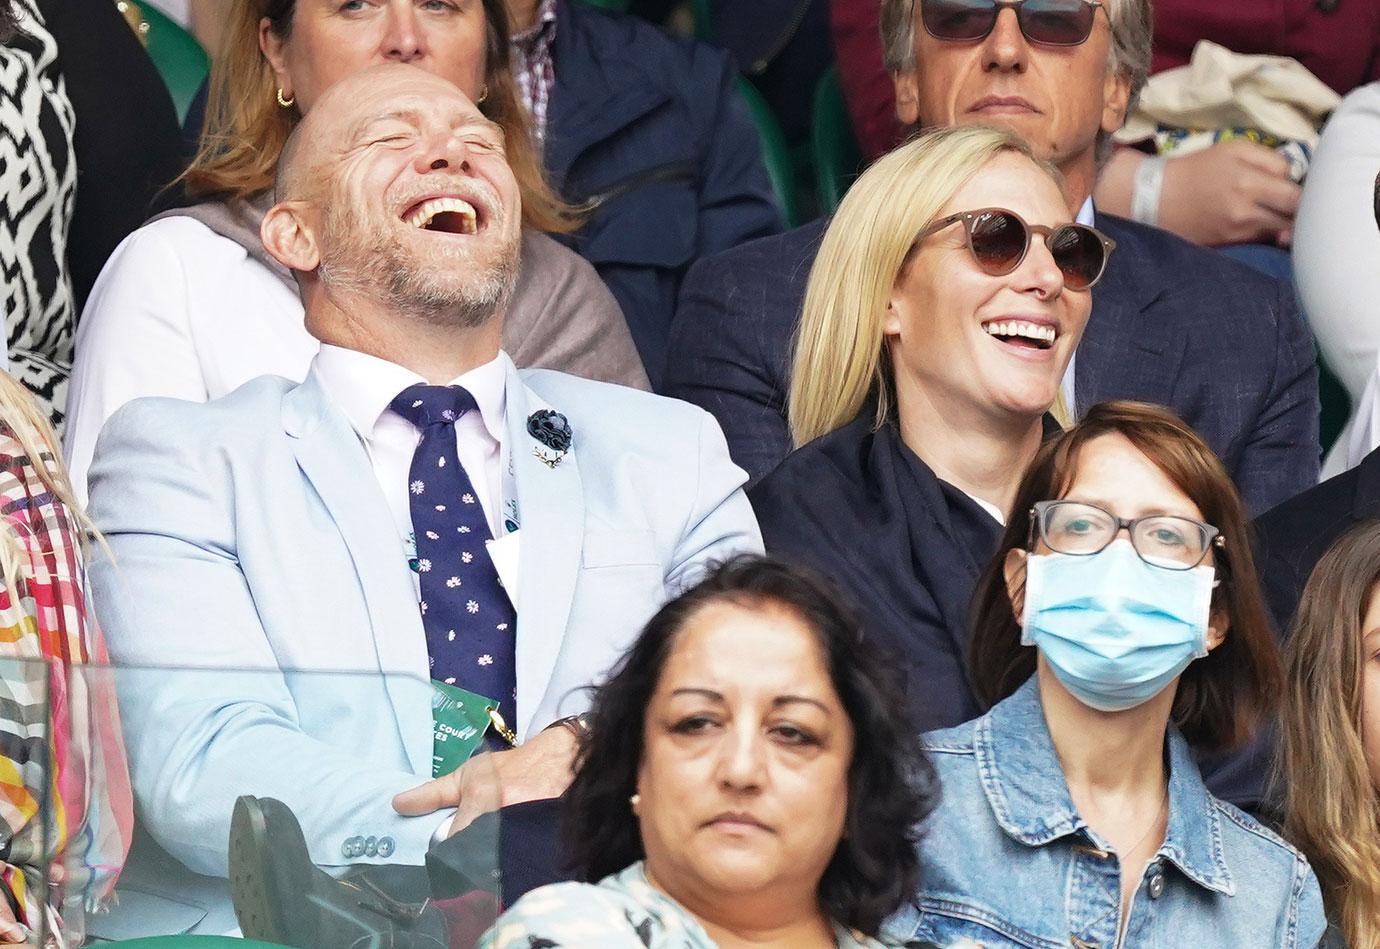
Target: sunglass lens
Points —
{"points": [[958, 19], [999, 241], [1056, 22], [1079, 254]]}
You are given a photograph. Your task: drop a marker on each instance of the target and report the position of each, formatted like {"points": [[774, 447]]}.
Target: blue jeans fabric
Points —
{"points": [[1009, 862]]}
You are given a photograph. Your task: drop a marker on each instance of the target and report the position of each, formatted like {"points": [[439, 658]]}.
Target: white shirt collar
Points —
{"points": [[362, 386], [1085, 213]]}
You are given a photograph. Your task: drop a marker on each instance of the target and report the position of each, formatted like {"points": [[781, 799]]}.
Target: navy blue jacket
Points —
{"points": [[1291, 538], [1172, 323], [650, 127]]}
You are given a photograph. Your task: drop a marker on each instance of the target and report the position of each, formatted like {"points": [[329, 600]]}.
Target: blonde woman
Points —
{"points": [[948, 297], [1331, 734], [77, 809], [191, 306]]}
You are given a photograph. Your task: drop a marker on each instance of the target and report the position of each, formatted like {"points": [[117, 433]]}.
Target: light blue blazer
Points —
{"points": [[250, 533]]}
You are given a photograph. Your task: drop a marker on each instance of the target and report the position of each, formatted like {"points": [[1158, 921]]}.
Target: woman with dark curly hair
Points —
{"points": [[746, 778]]}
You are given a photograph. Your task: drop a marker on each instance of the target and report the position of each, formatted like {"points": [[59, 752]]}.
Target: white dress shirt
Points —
{"points": [[363, 385]]}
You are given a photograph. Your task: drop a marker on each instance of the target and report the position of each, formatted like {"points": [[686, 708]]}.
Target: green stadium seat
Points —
{"points": [[177, 55], [837, 158], [775, 153], [1336, 406], [613, 6]]}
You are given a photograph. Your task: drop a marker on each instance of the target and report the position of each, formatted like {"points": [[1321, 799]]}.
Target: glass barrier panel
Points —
{"points": [[259, 804]]}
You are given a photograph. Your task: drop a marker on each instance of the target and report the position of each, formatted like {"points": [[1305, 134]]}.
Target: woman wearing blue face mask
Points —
{"points": [[1119, 630]]}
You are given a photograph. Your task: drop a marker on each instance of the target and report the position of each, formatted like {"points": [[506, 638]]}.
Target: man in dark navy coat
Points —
{"points": [[650, 130], [1172, 323]]}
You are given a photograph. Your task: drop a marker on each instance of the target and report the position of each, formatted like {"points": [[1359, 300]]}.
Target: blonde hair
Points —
{"points": [[839, 346], [21, 418], [245, 128], [1332, 809]]}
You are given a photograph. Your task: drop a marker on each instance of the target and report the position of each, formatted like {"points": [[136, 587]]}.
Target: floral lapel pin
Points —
{"points": [[552, 430]]}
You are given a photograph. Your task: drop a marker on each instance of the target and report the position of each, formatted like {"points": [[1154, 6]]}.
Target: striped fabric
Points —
{"points": [[78, 809]]}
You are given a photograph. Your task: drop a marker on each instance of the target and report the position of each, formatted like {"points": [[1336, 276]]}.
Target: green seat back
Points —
{"points": [[190, 942], [613, 6], [775, 153], [837, 158], [1336, 406], [177, 55]]}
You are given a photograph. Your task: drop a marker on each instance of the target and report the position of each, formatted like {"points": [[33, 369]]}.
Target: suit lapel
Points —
{"points": [[331, 457], [1128, 351], [552, 507]]}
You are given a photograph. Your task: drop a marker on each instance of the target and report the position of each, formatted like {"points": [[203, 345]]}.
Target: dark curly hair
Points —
{"points": [[891, 784]]}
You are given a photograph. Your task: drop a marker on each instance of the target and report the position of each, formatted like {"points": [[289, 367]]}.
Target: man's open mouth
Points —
{"points": [[447, 215]]}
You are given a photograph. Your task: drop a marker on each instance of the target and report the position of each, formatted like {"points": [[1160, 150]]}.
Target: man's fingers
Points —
{"points": [[1262, 157], [1279, 195], [428, 798]]}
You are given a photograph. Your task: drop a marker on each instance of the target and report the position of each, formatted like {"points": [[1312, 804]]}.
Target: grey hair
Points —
{"points": [[1132, 34]]}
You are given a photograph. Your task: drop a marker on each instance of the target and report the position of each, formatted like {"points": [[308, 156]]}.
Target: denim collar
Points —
{"points": [[1029, 797]]}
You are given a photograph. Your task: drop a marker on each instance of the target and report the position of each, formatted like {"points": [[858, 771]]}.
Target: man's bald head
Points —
{"points": [[395, 189], [320, 134]]}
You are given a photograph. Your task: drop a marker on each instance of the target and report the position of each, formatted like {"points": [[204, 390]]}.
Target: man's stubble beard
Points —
{"points": [[385, 268]]}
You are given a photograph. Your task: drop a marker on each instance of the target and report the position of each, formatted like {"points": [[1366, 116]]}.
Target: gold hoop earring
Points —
{"points": [[286, 103], [483, 94]]}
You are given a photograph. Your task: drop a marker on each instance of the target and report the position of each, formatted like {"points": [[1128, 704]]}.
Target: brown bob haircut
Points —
{"points": [[1221, 698], [246, 129]]}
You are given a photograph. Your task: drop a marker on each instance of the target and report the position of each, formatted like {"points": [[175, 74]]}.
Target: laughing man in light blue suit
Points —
{"points": [[260, 530]]}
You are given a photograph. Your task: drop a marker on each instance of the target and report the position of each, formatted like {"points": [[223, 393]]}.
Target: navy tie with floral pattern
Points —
{"points": [[469, 621]]}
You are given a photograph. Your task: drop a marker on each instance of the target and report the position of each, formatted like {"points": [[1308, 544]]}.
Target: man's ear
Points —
{"points": [[907, 83], [289, 238], [1116, 100], [1013, 569]]}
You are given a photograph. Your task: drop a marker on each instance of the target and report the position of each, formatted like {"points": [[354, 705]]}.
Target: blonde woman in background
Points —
{"points": [[949, 294], [64, 788], [191, 306], [1331, 734]]}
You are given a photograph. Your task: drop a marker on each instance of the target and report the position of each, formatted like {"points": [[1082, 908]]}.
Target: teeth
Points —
{"points": [[1035, 331], [424, 213]]}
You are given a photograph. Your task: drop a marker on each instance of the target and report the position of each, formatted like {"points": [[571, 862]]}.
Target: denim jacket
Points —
{"points": [[1007, 861]]}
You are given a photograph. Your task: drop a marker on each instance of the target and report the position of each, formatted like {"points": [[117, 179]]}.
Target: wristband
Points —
{"points": [[1145, 193]]}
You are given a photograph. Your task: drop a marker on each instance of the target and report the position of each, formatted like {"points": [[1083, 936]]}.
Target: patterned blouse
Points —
{"points": [[38, 188], [79, 807], [622, 911]]}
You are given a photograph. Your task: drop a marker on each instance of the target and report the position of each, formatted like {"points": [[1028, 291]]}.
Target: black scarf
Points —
{"points": [[862, 508]]}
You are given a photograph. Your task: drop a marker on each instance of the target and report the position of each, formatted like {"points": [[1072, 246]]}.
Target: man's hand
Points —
{"points": [[1234, 192], [539, 768]]}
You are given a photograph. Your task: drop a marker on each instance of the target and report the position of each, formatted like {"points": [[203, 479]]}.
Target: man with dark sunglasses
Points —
{"points": [[1172, 323]]}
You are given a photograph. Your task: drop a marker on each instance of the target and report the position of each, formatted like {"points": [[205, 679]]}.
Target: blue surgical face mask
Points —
{"points": [[1114, 629]]}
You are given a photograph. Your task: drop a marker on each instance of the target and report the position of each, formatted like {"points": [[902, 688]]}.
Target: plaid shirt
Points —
{"points": [[533, 67]]}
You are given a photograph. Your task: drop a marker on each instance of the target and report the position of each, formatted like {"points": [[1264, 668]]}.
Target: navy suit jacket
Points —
{"points": [[1291, 538], [1172, 323], [650, 129]]}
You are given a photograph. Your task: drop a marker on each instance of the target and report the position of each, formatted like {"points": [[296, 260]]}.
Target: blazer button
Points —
{"points": [[386, 846], [1156, 885], [347, 849], [371, 847]]}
